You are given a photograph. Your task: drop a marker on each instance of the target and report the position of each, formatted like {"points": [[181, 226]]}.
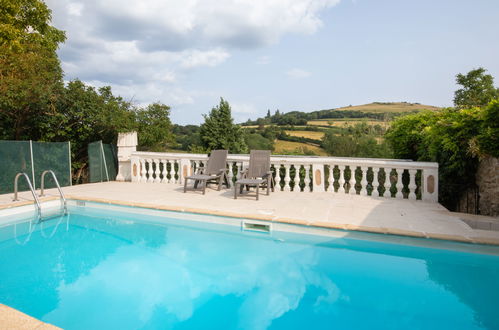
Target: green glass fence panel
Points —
{"points": [[111, 157], [102, 162], [96, 162], [15, 157], [52, 156]]}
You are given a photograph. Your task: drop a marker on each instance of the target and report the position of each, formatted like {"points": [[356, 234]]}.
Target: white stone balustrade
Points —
{"points": [[378, 178]]}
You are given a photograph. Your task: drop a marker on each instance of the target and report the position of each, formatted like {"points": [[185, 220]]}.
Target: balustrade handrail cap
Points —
{"points": [[381, 162]]}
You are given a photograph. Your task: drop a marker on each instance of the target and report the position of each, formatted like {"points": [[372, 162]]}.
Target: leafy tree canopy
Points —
{"points": [[30, 83], [456, 139], [219, 131], [155, 127], [477, 89], [27, 22]]}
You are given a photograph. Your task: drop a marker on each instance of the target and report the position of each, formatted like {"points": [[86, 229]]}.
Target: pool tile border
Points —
{"points": [[294, 221]]}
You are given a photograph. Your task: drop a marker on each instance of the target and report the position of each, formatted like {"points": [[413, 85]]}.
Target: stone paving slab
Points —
{"points": [[331, 210], [15, 320]]}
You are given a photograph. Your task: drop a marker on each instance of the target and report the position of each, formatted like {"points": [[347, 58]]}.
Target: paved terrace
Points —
{"points": [[338, 211]]}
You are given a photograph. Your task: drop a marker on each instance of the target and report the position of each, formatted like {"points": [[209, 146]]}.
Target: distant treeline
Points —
{"points": [[301, 118]]}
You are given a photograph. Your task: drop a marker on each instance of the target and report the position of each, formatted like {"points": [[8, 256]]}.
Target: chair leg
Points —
{"points": [[204, 186], [185, 185], [257, 191], [268, 186], [235, 191]]}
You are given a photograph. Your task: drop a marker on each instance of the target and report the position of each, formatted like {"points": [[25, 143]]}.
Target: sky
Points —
{"points": [[289, 55]]}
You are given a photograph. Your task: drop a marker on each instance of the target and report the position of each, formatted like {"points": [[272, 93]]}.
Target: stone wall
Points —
{"points": [[487, 180]]}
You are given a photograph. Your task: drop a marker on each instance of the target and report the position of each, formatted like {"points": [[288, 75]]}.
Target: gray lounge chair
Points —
{"points": [[258, 174], [215, 170]]}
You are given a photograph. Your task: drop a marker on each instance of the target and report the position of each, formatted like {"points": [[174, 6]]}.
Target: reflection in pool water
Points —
{"points": [[118, 274]]}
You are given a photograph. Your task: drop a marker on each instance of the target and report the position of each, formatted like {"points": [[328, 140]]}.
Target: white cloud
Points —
{"points": [[75, 8], [195, 58], [298, 73], [148, 47], [241, 111], [243, 108], [178, 278]]}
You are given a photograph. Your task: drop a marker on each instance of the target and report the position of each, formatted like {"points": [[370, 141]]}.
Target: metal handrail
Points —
{"points": [[63, 199], [37, 201]]}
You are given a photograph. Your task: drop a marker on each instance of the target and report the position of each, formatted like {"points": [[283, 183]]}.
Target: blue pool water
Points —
{"points": [[98, 269]]}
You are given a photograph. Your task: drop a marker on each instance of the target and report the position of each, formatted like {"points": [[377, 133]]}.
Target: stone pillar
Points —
{"points": [[127, 144], [318, 177], [430, 185]]}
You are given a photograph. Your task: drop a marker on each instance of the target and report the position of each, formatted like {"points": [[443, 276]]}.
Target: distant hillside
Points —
{"points": [[389, 107], [380, 111]]}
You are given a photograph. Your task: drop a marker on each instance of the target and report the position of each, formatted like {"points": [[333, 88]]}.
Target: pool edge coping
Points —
{"points": [[293, 221]]}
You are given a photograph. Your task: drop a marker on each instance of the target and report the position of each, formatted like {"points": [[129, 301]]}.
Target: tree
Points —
{"points": [[257, 141], [154, 127], [30, 72], [477, 91], [83, 115], [27, 22], [455, 138], [30, 83], [219, 131]]}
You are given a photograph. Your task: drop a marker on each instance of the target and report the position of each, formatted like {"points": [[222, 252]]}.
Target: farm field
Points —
{"points": [[346, 122], [307, 134], [389, 107], [288, 147]]}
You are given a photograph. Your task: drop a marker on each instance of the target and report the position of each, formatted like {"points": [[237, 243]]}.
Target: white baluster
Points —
{"points": [[351, 189], [157, 171], [287, 178], [307, 178], [150, 172], [178, 179], [143, 172], [363, 181], [277, 177], [399, 184], [331, 178], [296, 178], [375, 182], [387, 184], [412, 184], [163, 171], [170, 176], [230, 172], [341, 181]]}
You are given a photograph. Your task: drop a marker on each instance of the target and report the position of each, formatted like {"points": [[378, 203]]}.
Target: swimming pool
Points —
{"points": [[110, 267]]}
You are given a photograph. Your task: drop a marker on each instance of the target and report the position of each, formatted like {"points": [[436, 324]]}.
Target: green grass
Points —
{"points": [[389, 107]]}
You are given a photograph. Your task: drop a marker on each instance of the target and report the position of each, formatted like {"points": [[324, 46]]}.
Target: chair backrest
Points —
{"points": [[259, 164], [216, 162]]}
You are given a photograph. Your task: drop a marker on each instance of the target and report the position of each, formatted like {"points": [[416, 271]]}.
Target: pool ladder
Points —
{"points": [[37, 201]]}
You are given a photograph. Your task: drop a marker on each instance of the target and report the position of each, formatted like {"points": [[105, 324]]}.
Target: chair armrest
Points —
{"points": [[267, 174]]}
